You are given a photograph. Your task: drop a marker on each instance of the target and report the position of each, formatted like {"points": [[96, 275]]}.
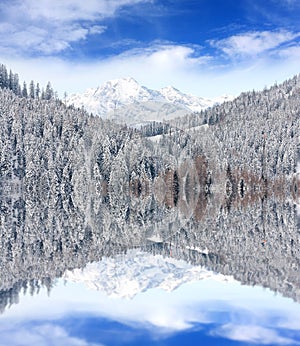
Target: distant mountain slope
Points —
{"points": [[193, 103], [126, 100], [138, 112]]}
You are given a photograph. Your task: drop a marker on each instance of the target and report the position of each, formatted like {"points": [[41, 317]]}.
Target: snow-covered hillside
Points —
{"points": [[125, 100], [127, 275]]}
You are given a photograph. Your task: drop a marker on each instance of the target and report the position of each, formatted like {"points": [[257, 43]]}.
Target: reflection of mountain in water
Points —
{"points": [[257, 243], [126, 275], [75, 188]]}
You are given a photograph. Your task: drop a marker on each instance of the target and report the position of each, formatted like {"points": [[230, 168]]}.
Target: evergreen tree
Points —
{"points": [[31, 90], [10, 80], [24, 90], [37, 91], [3, 77], [49, 94]]}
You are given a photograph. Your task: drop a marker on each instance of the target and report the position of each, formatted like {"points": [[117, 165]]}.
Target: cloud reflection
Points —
{"points": [[42, 335], [206, 308], [253, 334]]}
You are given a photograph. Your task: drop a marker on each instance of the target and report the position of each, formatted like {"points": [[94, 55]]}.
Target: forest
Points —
{"points": [[75, 187]]}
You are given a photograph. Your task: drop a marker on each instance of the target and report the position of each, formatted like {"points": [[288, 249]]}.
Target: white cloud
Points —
{"points": [[160, 65], [253, 334], [42, 39], [42, 335], [33, 31], [51, 26], [155, 66], [166, 57], [253, 43], [72, 10], [292, 52], [96, 29], [162, 313]]}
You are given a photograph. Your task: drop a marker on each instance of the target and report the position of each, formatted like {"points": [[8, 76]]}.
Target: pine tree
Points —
{"points": [[49, 94], [3, 77], [10, 80], [31, 90], [37, 91], [24, 90]]}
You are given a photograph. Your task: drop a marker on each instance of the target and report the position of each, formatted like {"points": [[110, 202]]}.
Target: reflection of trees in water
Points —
{"points": [[258, 245], [255, 240], [75, 188], [11, 296]]}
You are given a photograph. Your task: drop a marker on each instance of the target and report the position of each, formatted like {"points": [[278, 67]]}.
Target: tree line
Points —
{"points": [[10, 80]]}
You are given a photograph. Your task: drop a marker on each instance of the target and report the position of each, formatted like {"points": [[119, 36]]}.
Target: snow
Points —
{"points": [[192, 103], [125, 276], [155, 239], [127, 101], [155, 139], [204, 251], [203, 127], [147, 111]]}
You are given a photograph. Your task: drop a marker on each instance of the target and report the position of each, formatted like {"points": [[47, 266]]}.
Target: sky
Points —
{"points": [[204, 47]]}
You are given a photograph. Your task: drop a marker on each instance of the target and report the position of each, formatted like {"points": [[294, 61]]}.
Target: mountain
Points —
{"points": [[125, 100], [76, 189], [124, 276], [190, 102]]}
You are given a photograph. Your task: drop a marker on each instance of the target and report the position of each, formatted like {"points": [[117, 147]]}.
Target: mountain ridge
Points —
{"points": [[125, 100]]}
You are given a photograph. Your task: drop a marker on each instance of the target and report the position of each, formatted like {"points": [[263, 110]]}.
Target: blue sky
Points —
{"points": [[204, 47]]}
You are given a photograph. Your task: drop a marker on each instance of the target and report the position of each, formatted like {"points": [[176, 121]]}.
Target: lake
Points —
{"points": [[154, 266]]}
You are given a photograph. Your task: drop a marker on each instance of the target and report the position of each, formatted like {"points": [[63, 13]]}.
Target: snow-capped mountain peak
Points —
{"points": [[125, 97], [193, 103], [123, 91], [169, 90]]}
